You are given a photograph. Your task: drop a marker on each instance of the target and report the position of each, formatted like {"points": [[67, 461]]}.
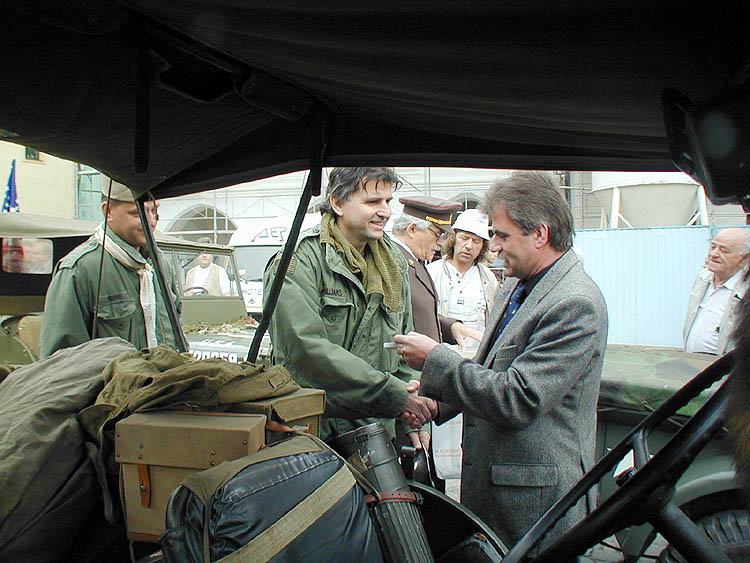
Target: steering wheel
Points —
{"points": [[196, 290], [646, 493]]}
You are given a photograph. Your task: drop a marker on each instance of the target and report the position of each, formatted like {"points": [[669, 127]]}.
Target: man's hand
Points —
{"points": [[411, 419], [414, 348], [418, 411], [420, 439], [461, 332]]}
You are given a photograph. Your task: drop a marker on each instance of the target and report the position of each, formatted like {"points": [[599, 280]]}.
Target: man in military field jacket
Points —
{"points": [[345, 294], [125, 299]]}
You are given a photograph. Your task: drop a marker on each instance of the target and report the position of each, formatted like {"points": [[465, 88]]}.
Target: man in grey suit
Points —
{"points": [[529, 396]]}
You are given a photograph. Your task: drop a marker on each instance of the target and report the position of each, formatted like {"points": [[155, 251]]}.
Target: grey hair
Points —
{"points": [[343, 182], [402, 222], [746, 245], [532, 199]]}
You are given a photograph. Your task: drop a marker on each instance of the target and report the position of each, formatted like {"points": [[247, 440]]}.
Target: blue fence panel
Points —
{"points": [[645, 276]]}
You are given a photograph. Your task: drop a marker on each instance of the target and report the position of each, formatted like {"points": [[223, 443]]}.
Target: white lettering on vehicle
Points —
{"points": [[214, 343], [271, 233], [207, 354]]}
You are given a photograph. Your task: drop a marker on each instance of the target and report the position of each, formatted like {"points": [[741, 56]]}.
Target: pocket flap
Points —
{"points": [[523, 475], [115, 306], [509, 351], [335, 300]]}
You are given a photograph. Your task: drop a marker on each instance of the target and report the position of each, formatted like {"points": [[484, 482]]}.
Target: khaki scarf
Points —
{"points": [[377, 269], [147, 294]]}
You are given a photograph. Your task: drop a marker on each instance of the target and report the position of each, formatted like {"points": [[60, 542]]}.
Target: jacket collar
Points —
{"points": [[548, 281], [336, 262]]}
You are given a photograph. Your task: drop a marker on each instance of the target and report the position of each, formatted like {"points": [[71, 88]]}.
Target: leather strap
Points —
{"points": [[144, 484], [394, 496]]}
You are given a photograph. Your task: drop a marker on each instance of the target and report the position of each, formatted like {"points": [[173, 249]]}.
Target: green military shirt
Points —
{"points": [[69, 306], [330, 336]]}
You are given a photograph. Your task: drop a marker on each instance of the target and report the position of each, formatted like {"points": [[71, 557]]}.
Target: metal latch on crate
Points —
{"points": [[144, 484]]}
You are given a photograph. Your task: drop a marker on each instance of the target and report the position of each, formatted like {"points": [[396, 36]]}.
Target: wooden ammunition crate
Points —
{"points": [[301, 410], [157, 450]]}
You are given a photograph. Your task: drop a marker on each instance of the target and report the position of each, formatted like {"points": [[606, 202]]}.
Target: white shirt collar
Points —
{"points": [[734, 281], [403, 245], [454, 271]]}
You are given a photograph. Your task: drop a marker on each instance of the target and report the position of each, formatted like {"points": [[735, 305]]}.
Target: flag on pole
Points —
{"points": [[11, 203]]}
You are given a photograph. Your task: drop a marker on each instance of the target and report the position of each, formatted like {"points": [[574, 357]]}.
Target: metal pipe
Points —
{"points": [[312, 185], [614, 211], [174, 318], [701, 197]]}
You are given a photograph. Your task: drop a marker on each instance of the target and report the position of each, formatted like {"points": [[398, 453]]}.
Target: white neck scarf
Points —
{"points": [[147, 295]]}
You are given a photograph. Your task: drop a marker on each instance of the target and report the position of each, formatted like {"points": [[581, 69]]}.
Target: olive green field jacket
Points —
{"points": [[329, 336], [69, 305]]}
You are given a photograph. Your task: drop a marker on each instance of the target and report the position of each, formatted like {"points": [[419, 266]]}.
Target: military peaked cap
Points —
{"points": [[440, 212]]}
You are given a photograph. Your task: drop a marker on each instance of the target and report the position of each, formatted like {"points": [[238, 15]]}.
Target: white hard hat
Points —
{"points": [[473, 221]]}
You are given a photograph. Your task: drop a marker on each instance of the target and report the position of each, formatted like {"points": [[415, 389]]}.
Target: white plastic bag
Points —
{"points": [[446, 447]]}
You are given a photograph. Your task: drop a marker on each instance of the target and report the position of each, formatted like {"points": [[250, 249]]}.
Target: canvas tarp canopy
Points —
{"points": [[43, 226], [183, 96]]}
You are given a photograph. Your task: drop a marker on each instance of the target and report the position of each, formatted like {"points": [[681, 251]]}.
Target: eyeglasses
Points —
{"points": [[435, 231]]}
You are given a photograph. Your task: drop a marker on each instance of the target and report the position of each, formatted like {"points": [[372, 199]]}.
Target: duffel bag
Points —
{"points": [[294, 501]]}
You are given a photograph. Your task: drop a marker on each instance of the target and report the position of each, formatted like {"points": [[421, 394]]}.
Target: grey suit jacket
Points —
{"points": [[529, 401]]}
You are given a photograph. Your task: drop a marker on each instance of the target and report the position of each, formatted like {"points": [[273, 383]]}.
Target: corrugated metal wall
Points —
{"points": [[645, 276]]}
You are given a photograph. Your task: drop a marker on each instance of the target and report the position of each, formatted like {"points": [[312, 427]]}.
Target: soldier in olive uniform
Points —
{"points": [[130, 303], [346, 293]]}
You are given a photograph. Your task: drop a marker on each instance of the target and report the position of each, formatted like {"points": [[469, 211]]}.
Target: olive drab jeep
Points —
{"points": [[215, 322], [635, 380]]}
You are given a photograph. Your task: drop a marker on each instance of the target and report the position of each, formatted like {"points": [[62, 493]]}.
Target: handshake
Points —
{"points": [[418, 410]]}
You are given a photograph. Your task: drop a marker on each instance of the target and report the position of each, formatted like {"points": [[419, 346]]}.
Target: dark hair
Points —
{"points": [[448, 247], [532, 199], [343, 182]]}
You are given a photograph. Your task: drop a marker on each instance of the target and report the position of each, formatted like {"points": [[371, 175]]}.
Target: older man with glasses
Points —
{"points": [[716, 295], [418, 231]]}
